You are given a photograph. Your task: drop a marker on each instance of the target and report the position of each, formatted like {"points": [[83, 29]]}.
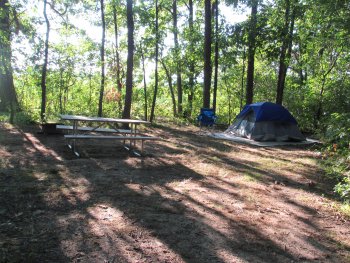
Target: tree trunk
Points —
{"points": [[251, 52], [207, 55], [177, 57], [130, 60], [61, 90], [242, 81], [216, 59], [191, 62], [168, 75], [156, 69], [287, 38], [102, 86], [144, 82], [8, 98], [44, 69], [119, 83], [318, 114]]}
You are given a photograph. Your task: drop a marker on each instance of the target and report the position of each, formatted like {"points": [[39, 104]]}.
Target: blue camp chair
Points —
{"points": [[207, 117]]}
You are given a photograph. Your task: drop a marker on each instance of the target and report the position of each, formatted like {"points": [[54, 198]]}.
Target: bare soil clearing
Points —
{"points": [[191, 199]]}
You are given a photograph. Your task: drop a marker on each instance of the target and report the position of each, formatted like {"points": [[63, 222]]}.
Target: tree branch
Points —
{"points": [[61, 14]]}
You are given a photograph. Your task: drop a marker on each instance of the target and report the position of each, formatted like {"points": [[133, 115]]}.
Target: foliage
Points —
{"points": [[337, 153]]}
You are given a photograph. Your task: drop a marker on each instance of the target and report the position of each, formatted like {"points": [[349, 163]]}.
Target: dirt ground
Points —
{"points": [[190, 199]]}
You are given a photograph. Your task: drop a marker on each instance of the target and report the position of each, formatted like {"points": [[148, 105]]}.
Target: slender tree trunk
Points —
{"points": [[207, 55], [90, 89], [191, 62], [287, 37], [216, 59], [168, 75], [251, 52], [323, 85], [61, 90], [242, 81], [130, 60], [144, 82], [8, 97], [119, 83], [177, 57], [102, 86], [300, 68], [228, 101], [156, 69], [44, 69]]}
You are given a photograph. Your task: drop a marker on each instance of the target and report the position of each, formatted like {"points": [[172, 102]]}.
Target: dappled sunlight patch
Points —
{"points": [[6, 125], [5, 163], [140, 189], [104, 214], [4, 153], [75, 187], [182, 184], [176, 205], [307, 161], [226, 255], [148, 163], [70, 190], [204, 168], [38, 146], [40, 176], [114, 233]]}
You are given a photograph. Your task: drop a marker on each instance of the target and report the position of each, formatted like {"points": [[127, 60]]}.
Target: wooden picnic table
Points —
{"points": [[95, 125]]}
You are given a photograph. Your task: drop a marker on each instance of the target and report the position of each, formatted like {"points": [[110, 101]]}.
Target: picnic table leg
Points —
{"points": [[130, 145], [75, 132], [135, 133]]}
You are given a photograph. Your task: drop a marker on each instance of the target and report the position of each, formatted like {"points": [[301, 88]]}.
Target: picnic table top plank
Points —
{"points": [[101, 119]]}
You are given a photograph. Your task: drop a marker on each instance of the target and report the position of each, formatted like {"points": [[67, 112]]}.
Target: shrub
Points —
{"points": [[337, 152]]}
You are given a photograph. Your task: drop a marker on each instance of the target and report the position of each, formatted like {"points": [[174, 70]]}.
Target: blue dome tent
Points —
{"points": [[266, 121]]}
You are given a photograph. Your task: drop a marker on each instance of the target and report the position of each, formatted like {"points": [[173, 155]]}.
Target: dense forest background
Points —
{"points": [[160, 58]]}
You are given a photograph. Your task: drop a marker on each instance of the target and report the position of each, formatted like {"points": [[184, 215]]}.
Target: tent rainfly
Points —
{"points": [[266, 121]]}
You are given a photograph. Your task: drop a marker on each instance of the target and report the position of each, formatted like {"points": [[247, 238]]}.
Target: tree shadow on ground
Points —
{"points": [[211, 148], [116, 208]]}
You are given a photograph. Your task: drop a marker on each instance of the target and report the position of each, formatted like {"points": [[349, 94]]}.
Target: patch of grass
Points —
{"points": [[253, 177], [305, 198], [345, 208], [4, 117], [251, 198], [19, 118], [214, 159]]}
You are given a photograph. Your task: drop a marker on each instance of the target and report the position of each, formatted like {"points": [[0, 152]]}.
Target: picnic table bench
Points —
{"points": [[95, 132], [92, 129]]}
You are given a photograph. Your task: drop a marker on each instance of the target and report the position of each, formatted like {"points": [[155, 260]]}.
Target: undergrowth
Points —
{"points": [[336, 154]]}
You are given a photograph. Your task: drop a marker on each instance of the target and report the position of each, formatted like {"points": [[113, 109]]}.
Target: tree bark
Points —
{"points": [[130, 60], [287, 37], [44, 69], [241, 97], [102, 86], [177, 57], [156, 69], [168, 75], [119, 83], [318, 114], [191, 62], [8, 97], [216, 52], [207, 55], [251, 52], [144, 82]]}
